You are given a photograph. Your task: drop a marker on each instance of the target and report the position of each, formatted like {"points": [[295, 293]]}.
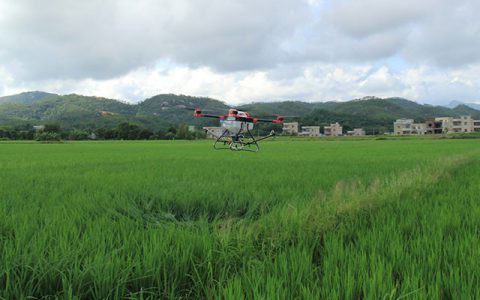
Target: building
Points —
{"points": [[213, 132], [464, 124], [333, 130], [402, 126], [408, 126], [312, 131], [106, 113], [356, 132], [434, 127], [419, 128], [290, 128], [39, 127], [476, 125]]}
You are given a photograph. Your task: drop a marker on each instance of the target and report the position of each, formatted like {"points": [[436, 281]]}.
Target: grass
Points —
{"points": [[300, 219]]}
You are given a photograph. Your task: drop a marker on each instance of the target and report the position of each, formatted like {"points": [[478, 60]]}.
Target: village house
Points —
{"points": [[311, 131], [39, 127], [408, 126], [333, 130], [463, 124], [356, 132], [290, 128], [213, 132]]}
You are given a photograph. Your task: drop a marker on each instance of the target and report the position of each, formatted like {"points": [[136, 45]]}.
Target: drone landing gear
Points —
{"points": [[242, 141]]}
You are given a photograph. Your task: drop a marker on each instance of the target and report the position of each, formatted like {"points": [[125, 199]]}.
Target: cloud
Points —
{"points": [[104, 39], [360, 19], [308, 82], [242, 51], [440, 33], [450, 38]]}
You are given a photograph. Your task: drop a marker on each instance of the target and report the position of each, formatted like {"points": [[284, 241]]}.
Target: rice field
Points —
{"points": [[359, 219]]}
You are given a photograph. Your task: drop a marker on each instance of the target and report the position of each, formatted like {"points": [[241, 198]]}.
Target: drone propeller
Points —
{"points": [[198, 112], [278, 120], [203, 109], [279, 115]]}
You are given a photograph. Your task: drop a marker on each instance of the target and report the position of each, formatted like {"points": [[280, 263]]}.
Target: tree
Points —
{"points": [[111, 134], [127, 131], [172, 129], [47, 136], [100, 133], [170, 136], [183, 133], [52, 127], [145, 134], [78, 134], [160, 135]]}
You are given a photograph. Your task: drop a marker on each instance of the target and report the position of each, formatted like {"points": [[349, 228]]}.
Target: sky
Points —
{"points": [[245, 50]]}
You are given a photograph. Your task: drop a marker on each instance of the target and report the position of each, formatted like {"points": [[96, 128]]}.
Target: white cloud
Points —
{"points": [[108, 38], [360, 19], [242, 51]]}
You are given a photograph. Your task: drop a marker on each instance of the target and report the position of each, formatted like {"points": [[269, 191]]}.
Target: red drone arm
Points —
{"points": [[198, 113], [278, 120]]}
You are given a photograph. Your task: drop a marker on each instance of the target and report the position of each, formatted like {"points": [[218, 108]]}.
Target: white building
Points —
{"points": [[463, 124], [290, 128], [356, 132], [419, 128], [402, 126], [312, 131], [214, 132], [39, 127], [407, 126], [333, 130]]}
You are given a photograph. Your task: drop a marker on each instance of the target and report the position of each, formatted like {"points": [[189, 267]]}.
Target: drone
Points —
{"points": [[237, 126]]}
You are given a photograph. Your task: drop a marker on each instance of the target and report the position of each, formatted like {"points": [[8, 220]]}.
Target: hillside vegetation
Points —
{"points": [[167, 110], [26, 97]]}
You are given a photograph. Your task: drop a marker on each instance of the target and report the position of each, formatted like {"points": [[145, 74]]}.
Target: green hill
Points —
{"points": [[69, 110], [172, 110], [387, 109], [285, 108], [464, 109], [371, 113], [379, 114], [167, 110], [26, 97], [76, 111]]}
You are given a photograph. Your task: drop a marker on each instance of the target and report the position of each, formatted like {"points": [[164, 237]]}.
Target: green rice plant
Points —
{"points": [[301, 219]]}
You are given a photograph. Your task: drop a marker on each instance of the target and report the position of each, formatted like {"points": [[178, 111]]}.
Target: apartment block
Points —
{"points": [[403, 126], [214, 132], [408, 126], [463, 124], [290, 128], [434, 127], [356, 132], [333, 130], [312, 131]]}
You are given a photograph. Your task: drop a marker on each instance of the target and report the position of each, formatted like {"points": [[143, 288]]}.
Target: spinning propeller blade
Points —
{"points": [[198, 112]]}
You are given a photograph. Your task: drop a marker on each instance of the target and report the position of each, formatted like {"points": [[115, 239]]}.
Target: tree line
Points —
{"points": [[124, 131]]}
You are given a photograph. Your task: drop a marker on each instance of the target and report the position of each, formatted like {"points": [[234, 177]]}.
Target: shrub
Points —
{"points": [[47, 136]]}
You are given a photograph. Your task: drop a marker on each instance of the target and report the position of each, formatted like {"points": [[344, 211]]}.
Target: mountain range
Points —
{"points": [[454, 104], [166, 110]]}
